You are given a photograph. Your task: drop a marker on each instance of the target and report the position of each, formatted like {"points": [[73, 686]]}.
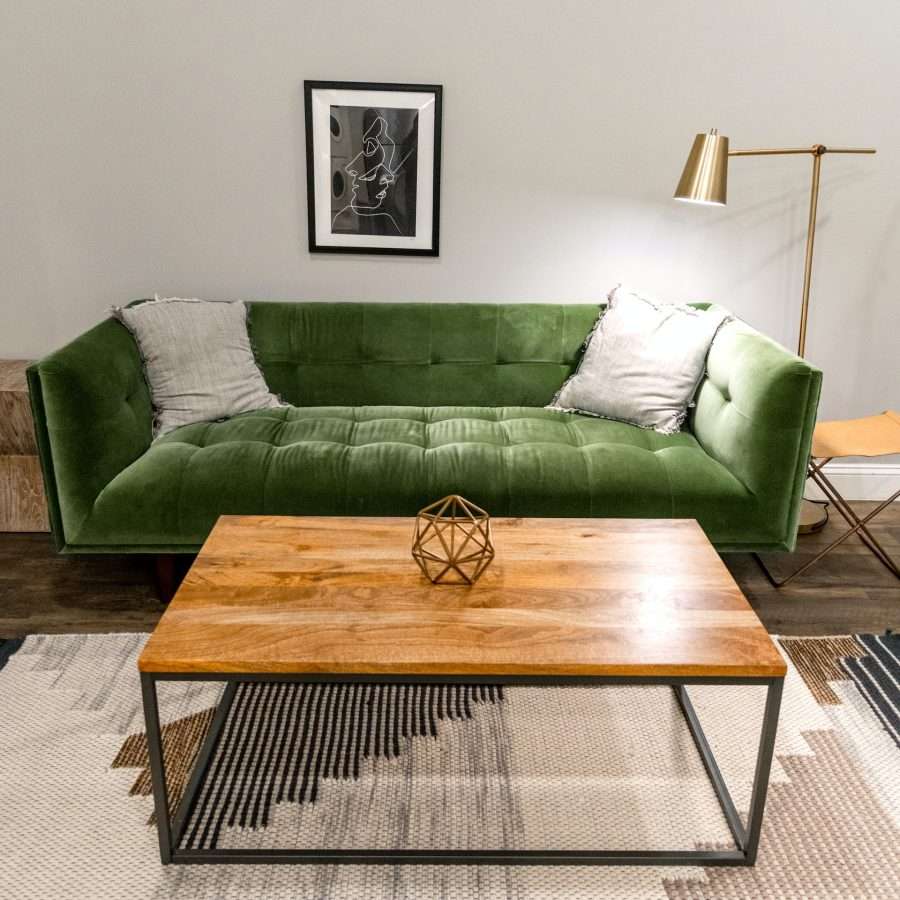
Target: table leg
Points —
{"points": [[765, 754], [157, 765], [745, 837]]}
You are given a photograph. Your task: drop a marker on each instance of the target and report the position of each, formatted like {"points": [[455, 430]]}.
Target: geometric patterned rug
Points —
{"points": [[555, 768]]}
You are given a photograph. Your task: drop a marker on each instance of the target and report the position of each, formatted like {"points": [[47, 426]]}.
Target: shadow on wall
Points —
{"points": [[871, 329], [791, 209]]}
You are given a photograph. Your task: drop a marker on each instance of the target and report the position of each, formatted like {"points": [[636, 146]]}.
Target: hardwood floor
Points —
{"points": [[849, 591]]}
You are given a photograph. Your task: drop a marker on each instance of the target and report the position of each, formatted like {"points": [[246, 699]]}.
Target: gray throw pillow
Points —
{"points": [[642, 363], [197, 360]]}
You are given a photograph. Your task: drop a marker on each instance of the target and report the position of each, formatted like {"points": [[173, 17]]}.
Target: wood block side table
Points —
{"points": [[22, 503]]}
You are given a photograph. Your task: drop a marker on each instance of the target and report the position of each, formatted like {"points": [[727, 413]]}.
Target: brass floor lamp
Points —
{"points": [[705, 180]]}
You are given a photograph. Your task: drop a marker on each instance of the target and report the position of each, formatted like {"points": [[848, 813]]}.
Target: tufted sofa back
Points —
{"points": [[418, 354]]}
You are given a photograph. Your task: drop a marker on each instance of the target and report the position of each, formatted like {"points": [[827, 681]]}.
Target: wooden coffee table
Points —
{"points": [[566, 601]]}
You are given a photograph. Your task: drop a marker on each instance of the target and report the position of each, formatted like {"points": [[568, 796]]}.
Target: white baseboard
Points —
{"points": [[860, 481]]}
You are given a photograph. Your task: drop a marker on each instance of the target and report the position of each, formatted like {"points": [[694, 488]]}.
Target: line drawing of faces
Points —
{"points": [[373, 165]]}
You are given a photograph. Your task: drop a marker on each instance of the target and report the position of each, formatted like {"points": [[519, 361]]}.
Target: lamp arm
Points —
{"points": [[815, 150], [705, 178]]}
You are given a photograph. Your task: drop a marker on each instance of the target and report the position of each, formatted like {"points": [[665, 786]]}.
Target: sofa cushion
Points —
{"points": [[197, 360], [393, 460], [642, 362]]}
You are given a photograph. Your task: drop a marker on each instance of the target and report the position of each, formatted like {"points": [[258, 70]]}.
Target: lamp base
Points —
{"points": [[813, 517]]}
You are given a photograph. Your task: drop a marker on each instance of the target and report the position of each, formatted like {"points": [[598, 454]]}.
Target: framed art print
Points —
{"points": [[373, 167]]}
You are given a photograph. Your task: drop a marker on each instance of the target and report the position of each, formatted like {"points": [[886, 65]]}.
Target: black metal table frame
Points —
{"points": [[171, 827]]}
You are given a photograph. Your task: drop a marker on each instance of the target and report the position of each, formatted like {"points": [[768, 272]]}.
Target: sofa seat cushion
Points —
{"points": [[393, 460]]}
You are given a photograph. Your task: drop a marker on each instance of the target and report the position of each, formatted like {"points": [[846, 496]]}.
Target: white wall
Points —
{"points": [[159, 146]]}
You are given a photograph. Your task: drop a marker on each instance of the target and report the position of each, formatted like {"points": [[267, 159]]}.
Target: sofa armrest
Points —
{"points": [[92, 418], [755, 413]]}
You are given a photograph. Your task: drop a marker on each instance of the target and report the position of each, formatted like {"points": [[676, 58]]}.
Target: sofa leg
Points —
{"points": [[775, 582], [166, 576]]}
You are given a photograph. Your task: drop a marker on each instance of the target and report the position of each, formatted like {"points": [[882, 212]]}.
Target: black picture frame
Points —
{"points": [[367, 245]]}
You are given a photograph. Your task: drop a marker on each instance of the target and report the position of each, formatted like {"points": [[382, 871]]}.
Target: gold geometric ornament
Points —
{"points": [[452, 543]]}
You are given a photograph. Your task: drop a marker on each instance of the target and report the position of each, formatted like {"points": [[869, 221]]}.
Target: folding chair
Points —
{"points": [[870, 436]]}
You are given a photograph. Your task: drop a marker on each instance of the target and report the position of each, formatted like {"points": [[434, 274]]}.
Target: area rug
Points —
{"points": [[556, 768]]}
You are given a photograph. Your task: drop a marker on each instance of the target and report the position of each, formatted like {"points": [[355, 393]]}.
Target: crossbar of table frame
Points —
{"points": [[171, 828], [738, 832], [470, 857], [201, 765]]}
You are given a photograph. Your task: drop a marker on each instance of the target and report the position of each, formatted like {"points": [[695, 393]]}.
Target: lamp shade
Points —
{"points": [[705, 175]]}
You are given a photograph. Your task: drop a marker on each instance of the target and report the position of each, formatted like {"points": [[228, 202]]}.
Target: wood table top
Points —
{"points": [[563, 597]]}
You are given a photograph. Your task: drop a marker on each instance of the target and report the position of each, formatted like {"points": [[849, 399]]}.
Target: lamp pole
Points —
{"points": [[817, 151], [810, 243]]}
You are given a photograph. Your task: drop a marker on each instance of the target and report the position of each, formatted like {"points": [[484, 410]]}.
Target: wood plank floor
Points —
{"points": [[849, 591]]}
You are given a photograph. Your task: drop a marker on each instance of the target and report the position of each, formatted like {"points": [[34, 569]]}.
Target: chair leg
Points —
{"points": [[857, 526], [854, 521], [775, 582]]}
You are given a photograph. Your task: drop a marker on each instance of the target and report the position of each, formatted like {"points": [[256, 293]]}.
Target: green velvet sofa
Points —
{"points": [[398, 404]]}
